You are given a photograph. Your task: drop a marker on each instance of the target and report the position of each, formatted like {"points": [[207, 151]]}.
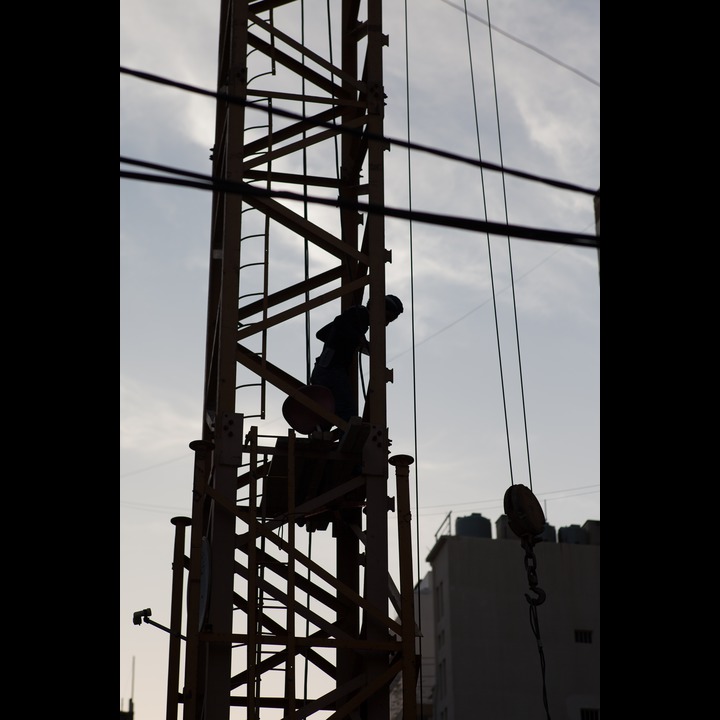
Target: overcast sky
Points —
{"points": [[535, 108]]}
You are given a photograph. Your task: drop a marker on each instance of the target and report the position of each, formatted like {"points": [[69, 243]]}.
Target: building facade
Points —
{"points": [[506, 649]]}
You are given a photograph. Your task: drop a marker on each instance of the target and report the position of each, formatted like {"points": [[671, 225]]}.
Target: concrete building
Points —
{"points": [[497, 655], [425, 648]]}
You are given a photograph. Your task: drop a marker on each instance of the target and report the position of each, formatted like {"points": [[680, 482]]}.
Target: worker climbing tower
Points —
{"points": [[297, 233]]}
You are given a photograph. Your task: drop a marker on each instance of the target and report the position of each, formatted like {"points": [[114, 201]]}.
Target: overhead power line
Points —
{"points": [[362, 133], [206, 182], [496, 29]]}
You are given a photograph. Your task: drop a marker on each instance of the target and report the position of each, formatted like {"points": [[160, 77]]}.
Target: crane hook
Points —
{"points": [[540, 599]]}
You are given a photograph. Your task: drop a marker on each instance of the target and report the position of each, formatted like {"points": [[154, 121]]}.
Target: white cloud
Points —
{"points": [[154, 423]]}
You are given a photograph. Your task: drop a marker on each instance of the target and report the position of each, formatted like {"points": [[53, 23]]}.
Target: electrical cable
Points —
{"points": [[533, 609], [509, 252], [496, 29], [362, 134], [489, 247], [414, 368], [306, 216], [241, 188]]}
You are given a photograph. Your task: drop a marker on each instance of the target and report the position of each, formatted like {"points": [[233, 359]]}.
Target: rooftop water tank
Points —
{"points": [[572, 534], [592, 528], [503, 531], [474, 525]]}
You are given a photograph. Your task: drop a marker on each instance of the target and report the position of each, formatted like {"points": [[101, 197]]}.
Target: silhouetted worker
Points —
{"points": [[342, 339]]}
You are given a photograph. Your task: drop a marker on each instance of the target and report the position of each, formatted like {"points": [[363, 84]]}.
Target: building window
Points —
{"points": [[583, 636], [589, 714]]}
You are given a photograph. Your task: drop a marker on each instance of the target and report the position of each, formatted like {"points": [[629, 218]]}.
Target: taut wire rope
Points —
{"points": [[306, 244], [308, 330], [509, 251], [416, 464], [308, 367], [526, 541], [489, 247]]}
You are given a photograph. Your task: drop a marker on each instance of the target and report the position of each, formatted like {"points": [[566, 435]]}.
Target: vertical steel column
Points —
{"points": [[290, 613], [253, 591], [178, 575], [407, 612], [212, 659], [376, 566], [193, 689], [347, 544]]}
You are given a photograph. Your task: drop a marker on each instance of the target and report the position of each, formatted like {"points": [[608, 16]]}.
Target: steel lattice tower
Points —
{"points": [[255, 602]]}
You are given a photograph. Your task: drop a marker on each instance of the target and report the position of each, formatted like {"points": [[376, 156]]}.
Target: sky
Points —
{"points": [[496, 359]]}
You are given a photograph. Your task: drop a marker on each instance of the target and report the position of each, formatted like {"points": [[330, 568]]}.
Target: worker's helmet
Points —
{"points": [[393, 305]]}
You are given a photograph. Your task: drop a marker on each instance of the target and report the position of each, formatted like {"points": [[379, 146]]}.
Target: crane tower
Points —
{"points": [[297, 232]]}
